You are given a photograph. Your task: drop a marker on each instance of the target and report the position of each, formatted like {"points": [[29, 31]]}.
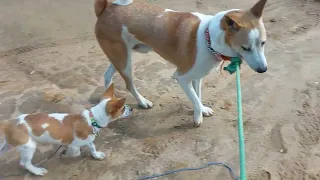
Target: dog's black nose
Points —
{"points": [[262, 70], [130, 109]]}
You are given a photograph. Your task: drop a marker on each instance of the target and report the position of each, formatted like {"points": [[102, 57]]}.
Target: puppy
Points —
{"points": [[72, 130], [195, 43]]}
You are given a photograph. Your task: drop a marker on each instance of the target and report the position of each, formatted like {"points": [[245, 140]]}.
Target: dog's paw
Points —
{"points": [[145, 103], [206, 111], [39, 171], [197, 122], [99, 155]]}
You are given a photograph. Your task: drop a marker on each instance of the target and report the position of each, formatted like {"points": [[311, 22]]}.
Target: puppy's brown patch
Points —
{"points": [[15, 134], [63, 131]]}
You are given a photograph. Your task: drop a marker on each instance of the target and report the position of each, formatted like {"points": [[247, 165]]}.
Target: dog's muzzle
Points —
{"points": [[127, 111]]}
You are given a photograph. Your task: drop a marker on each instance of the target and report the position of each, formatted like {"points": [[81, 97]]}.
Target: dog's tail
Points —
{"points": [[101, 5], [4, 125], [4, 147]]}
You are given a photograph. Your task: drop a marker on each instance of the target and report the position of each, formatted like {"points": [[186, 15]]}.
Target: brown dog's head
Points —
{"points": [[246, 34]]}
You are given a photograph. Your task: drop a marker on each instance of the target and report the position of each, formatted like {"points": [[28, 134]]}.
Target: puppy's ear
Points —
{"points": [[113, 106], [119, 103], [109, 92]]}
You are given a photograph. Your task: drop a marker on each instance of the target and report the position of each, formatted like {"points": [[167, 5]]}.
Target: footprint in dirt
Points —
{"points": [[277, 140], [260, 175]]}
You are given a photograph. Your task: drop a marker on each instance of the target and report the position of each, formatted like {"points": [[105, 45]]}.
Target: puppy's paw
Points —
{"points": [[206, 111], [39, 171], [99, 155]]}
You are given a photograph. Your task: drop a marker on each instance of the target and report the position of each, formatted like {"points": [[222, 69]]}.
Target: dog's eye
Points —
{"points": [[263, 43], [246, 49]]}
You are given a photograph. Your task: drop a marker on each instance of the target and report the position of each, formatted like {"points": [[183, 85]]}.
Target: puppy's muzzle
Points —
{"points": [[127, 111]]}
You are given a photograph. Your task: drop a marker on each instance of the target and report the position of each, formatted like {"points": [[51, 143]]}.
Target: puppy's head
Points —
{"points": [[114, 107], [246, 34]]}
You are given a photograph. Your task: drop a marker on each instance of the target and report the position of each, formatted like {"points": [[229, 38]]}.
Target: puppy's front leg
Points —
{"points": [[96, 154]]}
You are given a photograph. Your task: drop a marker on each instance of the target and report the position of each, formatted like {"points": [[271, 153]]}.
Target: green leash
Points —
{"points": [[234, 66]]}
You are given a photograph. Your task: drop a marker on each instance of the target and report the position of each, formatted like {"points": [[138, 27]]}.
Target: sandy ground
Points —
{"points": [[50, 61]]}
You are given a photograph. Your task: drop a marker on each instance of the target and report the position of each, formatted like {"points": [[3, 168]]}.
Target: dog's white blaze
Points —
{"points": [[256, 56], [254, 38], [45, 125]]}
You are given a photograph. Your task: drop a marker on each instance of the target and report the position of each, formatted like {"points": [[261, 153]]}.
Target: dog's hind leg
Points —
{"points": [[127, 76], [108, 75], [119, 53], [26, 154]]}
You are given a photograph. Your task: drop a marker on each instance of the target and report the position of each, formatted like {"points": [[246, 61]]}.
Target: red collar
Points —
{"points": [[223, 57]]}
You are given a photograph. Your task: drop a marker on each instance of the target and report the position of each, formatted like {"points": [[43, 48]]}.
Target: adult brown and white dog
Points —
{"points": [[195, 43], [72, 130]]}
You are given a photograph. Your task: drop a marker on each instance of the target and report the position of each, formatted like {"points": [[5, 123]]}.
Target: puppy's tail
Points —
{"points": [[4, 125], [4, 147], [101, 5]]}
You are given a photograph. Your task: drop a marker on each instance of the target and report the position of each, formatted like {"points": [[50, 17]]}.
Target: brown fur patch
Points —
{"points": [[170, 34], [57, 130], [15, 134]]}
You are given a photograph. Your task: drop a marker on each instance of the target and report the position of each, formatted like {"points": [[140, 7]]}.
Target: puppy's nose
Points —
{"points": [[130, 108], [262, 70]]}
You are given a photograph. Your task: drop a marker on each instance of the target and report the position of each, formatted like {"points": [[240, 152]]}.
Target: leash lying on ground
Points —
{"points": [[234, 66]]}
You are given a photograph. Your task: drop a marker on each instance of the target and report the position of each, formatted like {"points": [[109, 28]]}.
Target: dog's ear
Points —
{"points": [[257, 9], [108, 93], [114, 105], [119, 103], [230, 22]]}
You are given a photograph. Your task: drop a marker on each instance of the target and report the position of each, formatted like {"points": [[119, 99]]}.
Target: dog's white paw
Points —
{"points": [[39, 171], [145, 103], [99, 155], [197, 121], [206, 111]]}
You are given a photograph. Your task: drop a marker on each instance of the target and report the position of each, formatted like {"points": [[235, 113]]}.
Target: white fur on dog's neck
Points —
{"points": [[99, 114]]}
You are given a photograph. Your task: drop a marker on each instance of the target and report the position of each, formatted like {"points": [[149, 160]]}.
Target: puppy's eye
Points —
{"points": [[246, 48], [263, 43]]}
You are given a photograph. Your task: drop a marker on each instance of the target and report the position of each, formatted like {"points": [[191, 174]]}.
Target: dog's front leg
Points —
{"points": [[206, 111], [96, 154], [187, 87], [72, 151]]}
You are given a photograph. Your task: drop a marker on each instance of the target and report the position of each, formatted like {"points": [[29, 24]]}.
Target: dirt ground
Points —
{"points": [[50, 61]]}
